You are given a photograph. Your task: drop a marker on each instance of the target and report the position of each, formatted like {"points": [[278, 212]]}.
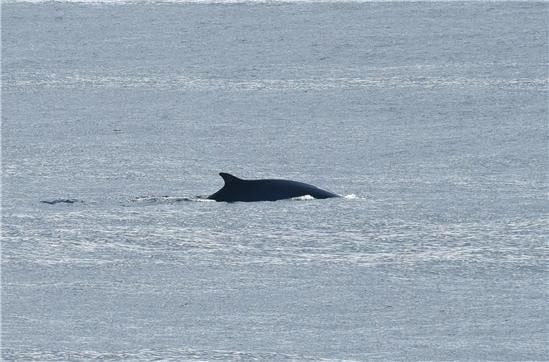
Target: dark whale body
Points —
{"points": [[236, 189]]}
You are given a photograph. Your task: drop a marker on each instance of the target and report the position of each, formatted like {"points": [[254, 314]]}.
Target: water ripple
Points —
{"points": [[190, 82]]}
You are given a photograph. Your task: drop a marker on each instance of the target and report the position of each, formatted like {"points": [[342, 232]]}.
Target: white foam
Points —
{"points": [[200, 199], [352, 197], [303, 198]]}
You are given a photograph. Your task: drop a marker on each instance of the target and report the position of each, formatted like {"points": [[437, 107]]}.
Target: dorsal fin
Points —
{"points": [[228, 178]]}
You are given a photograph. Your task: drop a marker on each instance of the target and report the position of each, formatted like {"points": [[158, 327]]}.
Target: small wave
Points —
{"points": [[157, 199], [61, 201], [187, 81], [154, 200], [169, 354], [205, 2]]}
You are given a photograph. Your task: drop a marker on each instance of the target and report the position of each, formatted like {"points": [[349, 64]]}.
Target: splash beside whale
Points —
{"points": [[237, 189]]}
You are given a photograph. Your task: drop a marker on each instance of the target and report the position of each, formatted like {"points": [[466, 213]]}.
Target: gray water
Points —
{"points": [[429, 118]]}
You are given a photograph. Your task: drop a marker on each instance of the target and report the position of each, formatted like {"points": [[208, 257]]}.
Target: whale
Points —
{"points": [[236, 189]]}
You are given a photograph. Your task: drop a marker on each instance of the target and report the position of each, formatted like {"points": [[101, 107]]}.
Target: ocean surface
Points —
{"points": [[431, 119]]}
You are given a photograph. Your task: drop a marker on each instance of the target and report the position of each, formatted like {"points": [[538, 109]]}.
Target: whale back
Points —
{"points": [[237, 189]]}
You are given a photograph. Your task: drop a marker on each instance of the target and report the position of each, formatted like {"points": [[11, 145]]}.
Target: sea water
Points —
{"points": [[429, 118]]}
